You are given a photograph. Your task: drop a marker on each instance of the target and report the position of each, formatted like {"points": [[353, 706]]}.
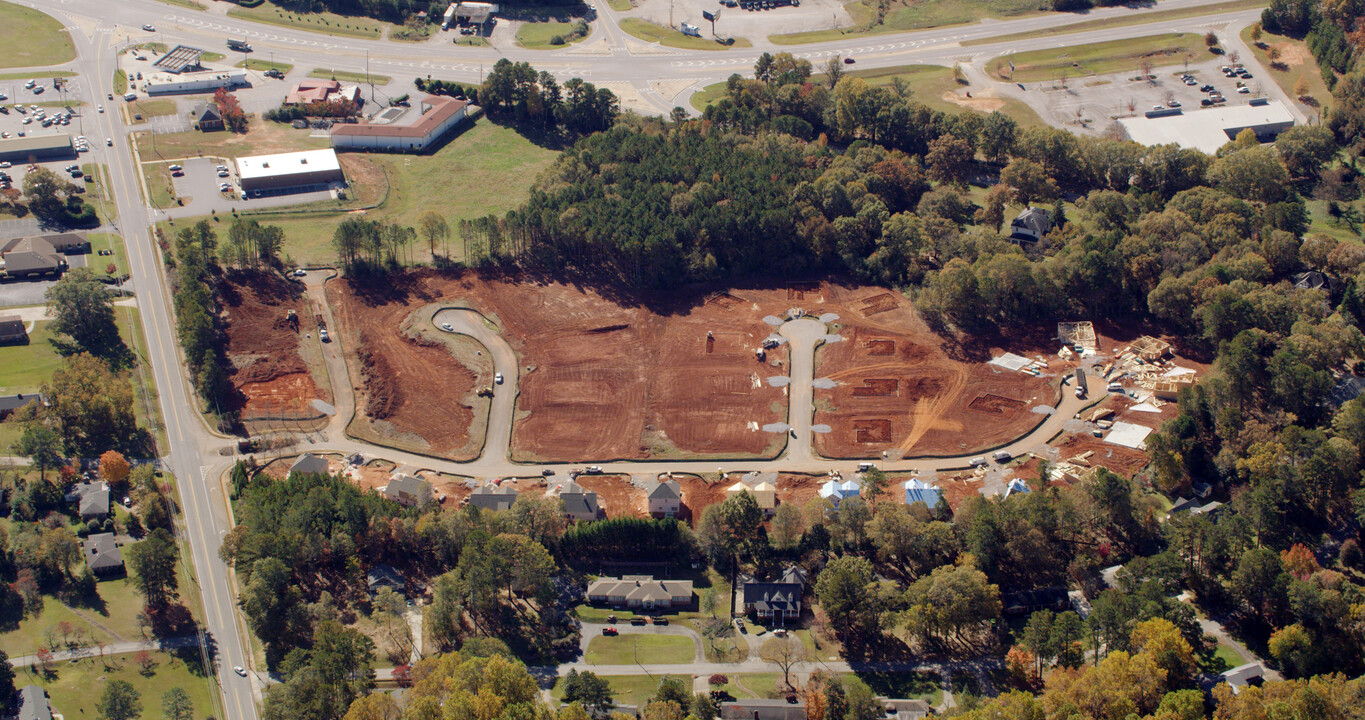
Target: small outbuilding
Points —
{"points": [[12, 330], [207, 117]]}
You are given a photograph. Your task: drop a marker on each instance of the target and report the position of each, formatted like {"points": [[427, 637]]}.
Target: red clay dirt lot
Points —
{"points": [[263, 346], [409, 392], [898, 390], [598, 380]]}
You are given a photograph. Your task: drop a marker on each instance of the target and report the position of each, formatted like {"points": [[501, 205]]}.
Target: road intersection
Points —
{"points": [[99, 28]]}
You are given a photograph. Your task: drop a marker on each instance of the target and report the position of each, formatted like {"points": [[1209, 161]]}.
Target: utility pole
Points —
{"points": [[367, 75]]}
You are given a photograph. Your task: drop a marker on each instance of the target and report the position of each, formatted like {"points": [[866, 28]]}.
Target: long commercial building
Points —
{"points": [[37, 147], [193, 82], [399, 129], [289, 172], [1208, 130]]}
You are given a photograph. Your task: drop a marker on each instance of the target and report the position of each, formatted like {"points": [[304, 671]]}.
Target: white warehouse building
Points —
{"points": [[399, 129], [289, 172], [193, 82], [1208, 130]]}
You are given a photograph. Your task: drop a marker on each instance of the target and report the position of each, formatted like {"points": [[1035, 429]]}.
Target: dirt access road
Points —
{"points": [[498, 438]]}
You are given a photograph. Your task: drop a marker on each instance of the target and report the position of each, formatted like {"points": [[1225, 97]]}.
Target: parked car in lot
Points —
{"points": [[174, 168], [661, 621], [637, 621], [610, 631]]}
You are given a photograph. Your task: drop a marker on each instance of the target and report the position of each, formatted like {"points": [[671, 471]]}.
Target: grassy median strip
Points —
{"points": [[33, 38], [541, 35], [650, 32], [904, 15], [348, 76], [191, 4], [1098, 58], [328, 23], [263, 65], [1138, 17]]}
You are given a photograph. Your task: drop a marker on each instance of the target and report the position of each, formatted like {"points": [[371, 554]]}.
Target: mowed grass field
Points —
{"points": [[931, 85], [1099, 58], [650, 32], [911, 15], [631, 649], [33, 38], [24, 368], [1294, 64], [486, 169], [75, 688]]}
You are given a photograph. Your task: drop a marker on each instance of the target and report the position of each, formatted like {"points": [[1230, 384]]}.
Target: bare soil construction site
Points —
{"points": [[265, 349], [597, 380], [415, 389], [897, 391]]}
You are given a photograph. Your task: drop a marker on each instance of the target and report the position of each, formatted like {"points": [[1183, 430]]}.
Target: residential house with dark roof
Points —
{"points": [[309, 464], [33, 703], [777, 601], [91, 499], [384, 576], [102, 555], [763, 709], [641, 592], [10, 403], [12, 330], [664, 497], [492, 497], [579, 503], [408, 490], [916, 709], [1027, 602]]}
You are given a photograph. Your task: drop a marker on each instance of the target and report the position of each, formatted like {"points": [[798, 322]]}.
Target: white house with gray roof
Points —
{"points": [[664, 496]]}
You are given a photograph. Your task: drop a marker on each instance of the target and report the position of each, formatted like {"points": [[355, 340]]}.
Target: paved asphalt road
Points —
{"points": [[100, 27]]}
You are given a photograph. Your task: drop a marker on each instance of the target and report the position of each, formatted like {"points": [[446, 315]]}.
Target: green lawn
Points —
{"points": [[120, 82], [1323, 223], [262, 65], [329, 23], [755, 685], [488, 166], [650, 32], [76, 687], [1295, 63], [96, 190], [632, 649], [24, 368], [36, 74], [101, 263], [152, 108], [620, 5], [629, 689], [1136, 18], [1099, 58], [347, 76], [159, 185], [117, 615], [929, 83], [910, 15], [33, 38], [538, 35]]}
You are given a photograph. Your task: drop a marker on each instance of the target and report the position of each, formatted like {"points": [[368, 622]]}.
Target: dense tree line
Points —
{"points": [[196, 312]]}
